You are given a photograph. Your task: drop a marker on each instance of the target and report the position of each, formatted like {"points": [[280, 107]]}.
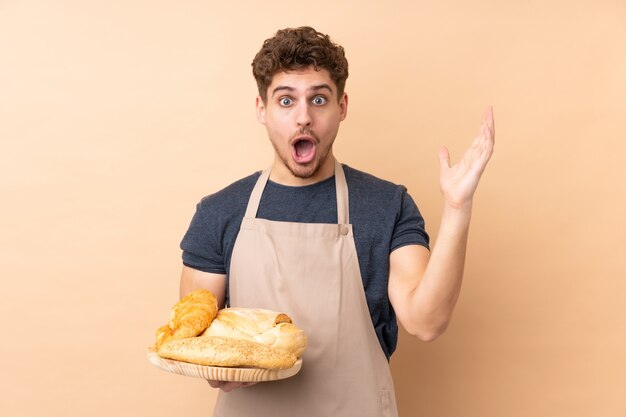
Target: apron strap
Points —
{"points": [[341, 186], [257, 192]]}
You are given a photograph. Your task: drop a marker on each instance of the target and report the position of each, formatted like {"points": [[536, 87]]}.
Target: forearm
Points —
{"points": [[434, 298], [424, 288], [192, 279]]}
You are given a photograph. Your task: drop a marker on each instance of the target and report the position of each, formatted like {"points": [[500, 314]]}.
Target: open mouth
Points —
{"points": [[303, 150]]}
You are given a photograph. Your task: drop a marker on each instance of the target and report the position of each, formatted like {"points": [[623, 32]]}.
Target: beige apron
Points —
{"points": [[311, 272]]}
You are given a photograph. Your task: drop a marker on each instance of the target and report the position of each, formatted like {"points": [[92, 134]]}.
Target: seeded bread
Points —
{"points": [[226, 351]]}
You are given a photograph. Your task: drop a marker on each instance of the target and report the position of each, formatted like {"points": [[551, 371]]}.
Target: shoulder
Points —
{"points": [[363, 184], [229, 197]]}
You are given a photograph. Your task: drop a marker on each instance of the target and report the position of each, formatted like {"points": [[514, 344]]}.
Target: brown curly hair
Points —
{"points": [[298, 48]]}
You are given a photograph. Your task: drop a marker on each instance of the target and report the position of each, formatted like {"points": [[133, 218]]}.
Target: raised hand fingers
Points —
{"points": [[444, 158], [490, 122], [477, 155], [485, 139], [490, 128], [487, 127]]}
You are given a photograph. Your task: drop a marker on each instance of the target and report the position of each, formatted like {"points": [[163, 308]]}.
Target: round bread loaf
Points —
{"points": [[259, 325]]}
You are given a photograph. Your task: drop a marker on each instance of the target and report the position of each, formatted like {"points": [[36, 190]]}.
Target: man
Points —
{"points": [[342, 252]]}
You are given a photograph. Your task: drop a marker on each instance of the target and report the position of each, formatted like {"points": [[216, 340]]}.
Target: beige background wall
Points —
{"points": [[117, 117]]}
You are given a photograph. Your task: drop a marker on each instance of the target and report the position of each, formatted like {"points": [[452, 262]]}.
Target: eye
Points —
{"points": [[285, 101], [319, 100]]}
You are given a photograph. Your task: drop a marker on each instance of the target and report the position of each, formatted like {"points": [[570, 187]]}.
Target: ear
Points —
{"points": [[343, 106], [260, 110]]}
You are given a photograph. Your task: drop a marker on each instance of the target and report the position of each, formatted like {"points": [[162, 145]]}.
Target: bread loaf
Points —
{"points": [[226, 351], [258, 325], [237, 337]]}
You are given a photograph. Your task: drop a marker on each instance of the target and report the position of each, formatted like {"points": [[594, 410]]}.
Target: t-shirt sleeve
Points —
{"points": [[202, 244], [410, 226]]}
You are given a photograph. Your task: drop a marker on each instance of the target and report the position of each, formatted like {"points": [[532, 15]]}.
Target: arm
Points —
{"points": [[193, 279], [424, 287]]}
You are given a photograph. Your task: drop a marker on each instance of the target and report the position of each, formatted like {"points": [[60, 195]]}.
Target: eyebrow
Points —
{"points": [[316, 87]]}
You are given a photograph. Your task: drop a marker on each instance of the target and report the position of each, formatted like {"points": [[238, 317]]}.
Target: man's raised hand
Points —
{"points": [[459, 182]]}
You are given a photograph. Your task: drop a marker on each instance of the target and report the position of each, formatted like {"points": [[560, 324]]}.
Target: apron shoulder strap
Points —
{"points": [[257, 192], [343, 205]]}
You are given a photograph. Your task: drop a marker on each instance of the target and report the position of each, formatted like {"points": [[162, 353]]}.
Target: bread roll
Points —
{"points": [[226, 351], [258, 325]]}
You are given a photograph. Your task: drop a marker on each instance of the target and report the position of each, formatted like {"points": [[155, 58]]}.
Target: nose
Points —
{"points": [[303, 118]]}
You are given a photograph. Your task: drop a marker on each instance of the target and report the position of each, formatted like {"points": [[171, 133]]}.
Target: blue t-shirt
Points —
{"points": [[383, 215]]}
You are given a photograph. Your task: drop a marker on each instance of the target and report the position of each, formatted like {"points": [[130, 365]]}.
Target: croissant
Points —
{"points": [[189, 317]]}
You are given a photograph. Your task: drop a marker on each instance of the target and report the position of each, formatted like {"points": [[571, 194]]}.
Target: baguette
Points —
{"points": [[227, 352]]}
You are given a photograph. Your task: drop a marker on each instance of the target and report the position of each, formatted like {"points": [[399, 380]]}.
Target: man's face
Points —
{"points": [[302, 115]]}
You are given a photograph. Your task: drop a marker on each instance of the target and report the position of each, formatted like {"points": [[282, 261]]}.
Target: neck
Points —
{"points": [[282, 175]]}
